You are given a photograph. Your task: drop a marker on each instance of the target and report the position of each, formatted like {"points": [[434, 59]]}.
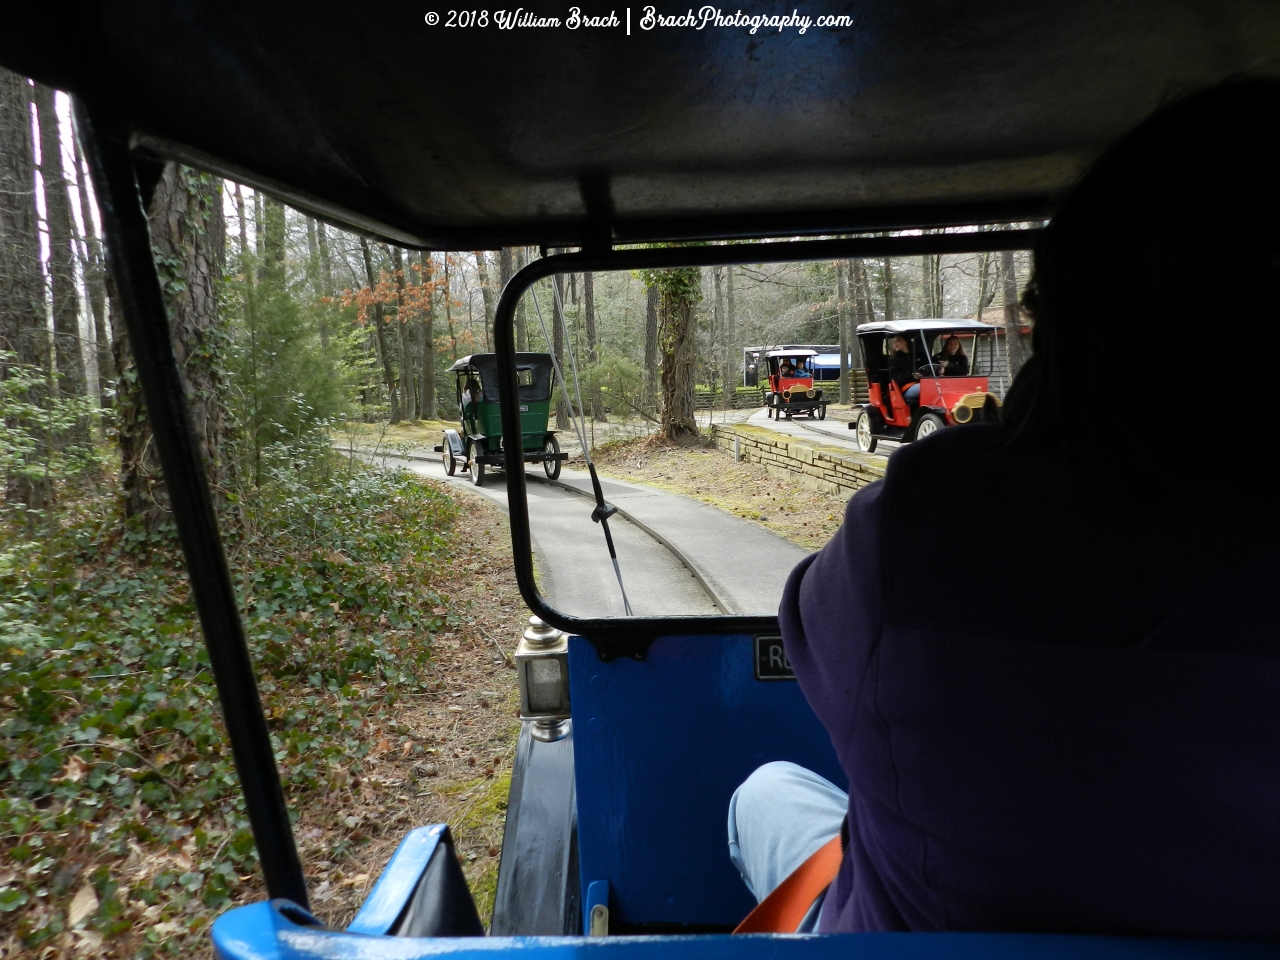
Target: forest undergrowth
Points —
{"points": [[122, 830]]}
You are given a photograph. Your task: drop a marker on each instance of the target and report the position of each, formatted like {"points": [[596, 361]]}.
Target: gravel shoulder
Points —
{"points": [[697, 469]]}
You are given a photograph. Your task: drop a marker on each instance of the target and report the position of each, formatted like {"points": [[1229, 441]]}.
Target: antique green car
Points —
{"points": [[478, 444]]}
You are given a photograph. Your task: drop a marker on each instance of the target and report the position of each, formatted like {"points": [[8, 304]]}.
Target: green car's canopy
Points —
{"points": [[918, 112], [533, 374]]}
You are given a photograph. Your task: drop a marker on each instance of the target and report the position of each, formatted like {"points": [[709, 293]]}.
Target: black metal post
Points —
{"points": [[129, 256]]}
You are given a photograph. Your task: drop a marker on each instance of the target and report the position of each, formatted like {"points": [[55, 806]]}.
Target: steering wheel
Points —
{"points": [[930, 370]]}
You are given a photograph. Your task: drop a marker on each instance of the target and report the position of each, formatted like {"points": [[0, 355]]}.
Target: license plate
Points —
{"points": [[771, 658]]}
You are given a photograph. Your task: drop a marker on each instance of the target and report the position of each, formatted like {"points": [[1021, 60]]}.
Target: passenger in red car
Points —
{"points": [[902, 370]]}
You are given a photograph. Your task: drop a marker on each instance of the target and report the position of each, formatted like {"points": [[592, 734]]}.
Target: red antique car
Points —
{"points": [[791, 390], [950, 365]]}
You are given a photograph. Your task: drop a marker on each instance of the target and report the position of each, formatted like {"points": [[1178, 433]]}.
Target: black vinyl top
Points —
{"points": [[536, 387], [922, 112], [896, 327]]}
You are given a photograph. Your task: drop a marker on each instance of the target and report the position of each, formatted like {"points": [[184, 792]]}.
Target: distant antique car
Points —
{"points": [[790, 389], [944, 398], [479, 445]]}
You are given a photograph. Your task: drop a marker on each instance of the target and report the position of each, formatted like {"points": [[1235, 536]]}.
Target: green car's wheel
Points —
{"points": [[551, 466], [477, 468], [450, 461]]}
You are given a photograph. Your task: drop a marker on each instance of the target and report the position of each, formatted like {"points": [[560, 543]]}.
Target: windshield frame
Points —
{"points": [[631, 636]]}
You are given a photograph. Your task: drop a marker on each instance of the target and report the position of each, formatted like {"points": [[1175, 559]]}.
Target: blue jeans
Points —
{"points": [[911, 394], [778, 818]]}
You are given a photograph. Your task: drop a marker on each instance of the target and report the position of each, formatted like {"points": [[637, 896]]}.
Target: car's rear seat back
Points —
{"points": [[659, 747]]}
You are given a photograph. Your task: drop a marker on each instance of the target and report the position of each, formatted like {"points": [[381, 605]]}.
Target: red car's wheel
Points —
{"points": [[866, 441], [929, 423]]}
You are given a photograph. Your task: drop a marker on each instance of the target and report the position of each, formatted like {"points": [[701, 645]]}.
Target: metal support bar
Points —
{"points": [[133, 268]]}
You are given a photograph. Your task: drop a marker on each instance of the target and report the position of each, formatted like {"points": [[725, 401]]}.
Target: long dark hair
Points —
{"points": [[1169, 243]]}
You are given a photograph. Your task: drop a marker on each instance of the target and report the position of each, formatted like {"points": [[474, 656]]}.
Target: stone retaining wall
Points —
{"points": [[816, 465]]}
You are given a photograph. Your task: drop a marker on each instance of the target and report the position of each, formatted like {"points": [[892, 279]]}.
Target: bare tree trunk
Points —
{"points": [[325, 279], [68, 359], [557, 347], [842, 312], [407, 383], [984, 260], [95, 283], [866, 311], [22, 309], [426, 335], [259, 232], [731, 331], [1014, 351], [448, 309], [506, 270], [651, 343], [717, 311], [931, 279], [487, 292], [246, 267], [522, 325], [272, 232], [380, 332], [675, 340], [187, 235], [887, 282], [593, 356], [939, 290], [313, 254]]}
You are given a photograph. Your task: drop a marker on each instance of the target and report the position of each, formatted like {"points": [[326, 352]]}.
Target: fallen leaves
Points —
{"points": [[74, 769], [83, 905]]}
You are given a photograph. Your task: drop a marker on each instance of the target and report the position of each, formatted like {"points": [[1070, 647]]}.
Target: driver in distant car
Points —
{"points": [[951, 360]]}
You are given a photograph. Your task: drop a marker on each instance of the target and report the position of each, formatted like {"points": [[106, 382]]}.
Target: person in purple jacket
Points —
{"points": [[1068, 718]]}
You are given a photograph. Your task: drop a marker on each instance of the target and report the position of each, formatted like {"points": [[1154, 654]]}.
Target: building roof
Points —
{"points": [[828, 361]]}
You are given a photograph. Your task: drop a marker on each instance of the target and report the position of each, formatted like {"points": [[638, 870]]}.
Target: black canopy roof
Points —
{"points": [[537, 387], [921, 112]]}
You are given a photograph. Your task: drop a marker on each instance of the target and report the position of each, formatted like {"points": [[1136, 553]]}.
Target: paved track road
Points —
{"points": [[680, 557], [834, 432]]}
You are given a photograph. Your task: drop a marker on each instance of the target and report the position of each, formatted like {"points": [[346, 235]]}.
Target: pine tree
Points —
{"points": [[188, 239]]}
